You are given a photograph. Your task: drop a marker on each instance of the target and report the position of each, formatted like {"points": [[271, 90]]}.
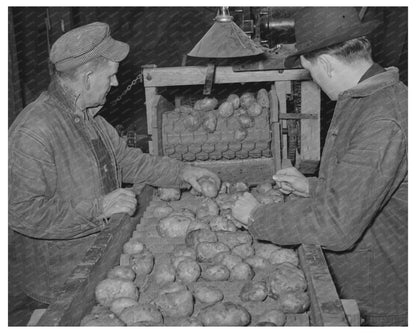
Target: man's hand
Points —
{"points": [[191, 175], [290, 180], [244, 207], [119, 201]]}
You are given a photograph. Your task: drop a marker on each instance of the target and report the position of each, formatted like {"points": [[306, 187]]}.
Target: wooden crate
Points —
{"points": [[77, 297], [280, 80]]}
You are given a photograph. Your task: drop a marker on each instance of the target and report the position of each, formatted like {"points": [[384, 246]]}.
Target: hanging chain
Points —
{"points": [[139, 77]]}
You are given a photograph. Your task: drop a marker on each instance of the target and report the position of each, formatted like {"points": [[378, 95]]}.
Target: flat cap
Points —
{"points": [[82, 44]]}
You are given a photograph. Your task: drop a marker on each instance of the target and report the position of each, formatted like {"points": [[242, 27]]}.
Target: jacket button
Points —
{"points": [[77, 120]]}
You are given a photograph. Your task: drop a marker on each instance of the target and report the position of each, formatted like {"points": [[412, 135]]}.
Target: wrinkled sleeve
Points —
{"points": [[342, 206], [139, 167], [35, 209]]}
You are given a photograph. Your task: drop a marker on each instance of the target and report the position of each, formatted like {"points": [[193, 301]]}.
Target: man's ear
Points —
{"points": [[326, 63]]}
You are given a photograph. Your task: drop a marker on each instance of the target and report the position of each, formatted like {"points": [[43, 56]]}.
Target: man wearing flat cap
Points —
{"points": [[67, 164], [357, 208]]}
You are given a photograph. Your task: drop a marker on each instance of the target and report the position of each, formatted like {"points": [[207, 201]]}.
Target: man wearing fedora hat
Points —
{"points": [[67, 164], [357, 208]]}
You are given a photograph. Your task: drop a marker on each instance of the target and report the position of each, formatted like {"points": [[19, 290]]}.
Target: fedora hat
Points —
{"points": [[319, 27]]}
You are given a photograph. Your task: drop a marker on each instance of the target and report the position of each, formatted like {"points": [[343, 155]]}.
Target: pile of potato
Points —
{"points": [[213, 253], [206, 112]]}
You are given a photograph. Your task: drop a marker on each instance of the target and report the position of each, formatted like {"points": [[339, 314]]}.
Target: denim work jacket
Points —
{"points": [[357, 210], [55, 190]]}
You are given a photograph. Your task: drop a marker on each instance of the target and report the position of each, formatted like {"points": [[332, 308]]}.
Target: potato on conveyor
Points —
{"points": [[254, 291], [209, 124], [284, 255], [206, 104], [276, 317], [119, 304], [241, 272], [243, 250], [205, 251], [188, 322], [286, 278], [164, 273], [142, 263], [208, 295], [232, 239], [208, 186], [197, 225], [234, 100], [246, 121], [225, 314], [162, 211], [263, 98], [184, 251], [229, 260], [237, 188], [195, 237], [175, 304], [110, 289], [265, 250], [101, 316], [246, 100], [294, 302], [188, 271], [133, 246], [208, 207], [254, 110], [226, 109], [240, 134], [121, 272], [221, 223], [263, 187], [174, 226], [192, 120], [257, 262], [216, 273], [142, 314], [169, 194]]}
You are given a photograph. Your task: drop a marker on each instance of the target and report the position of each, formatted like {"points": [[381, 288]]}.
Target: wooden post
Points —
{"points": [[151, 114], [275, 128], [283, 88]]}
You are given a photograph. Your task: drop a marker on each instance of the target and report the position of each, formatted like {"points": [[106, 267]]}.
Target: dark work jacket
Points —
{"points": [[357, 209], [56, 187]]}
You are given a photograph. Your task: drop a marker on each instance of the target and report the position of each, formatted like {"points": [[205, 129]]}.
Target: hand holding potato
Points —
{"points": [[290, 180], [118, 201], [244, 207], [192, 174]]}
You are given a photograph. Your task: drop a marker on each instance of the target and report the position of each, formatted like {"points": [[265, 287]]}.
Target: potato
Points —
{"points": [[121, 272], [208, 295], [241, 271], [225, 314], [146, 314], [234, 100], [257, 262], [240, 134], [254, 291], [188, 271], [254, 110], [183, 212], [275, 316], [197, 225], [232, 239], [238, 187], [263, 98], [208, 207], [263, 187], [172, 287], [294, 302], [189, 322], [243, 250], [195, 237], [177, 260], [192, 121], [186, 109], [162, 211], [169, 194], [176, 304], [264, 250], [209, 124], [184, 251], [142, 263], [206, 104], [104, 317], [219, 223], [174, 226], [227, 259], [284, 255], [207, 250], [119, 304], [164, 273], [133, 246], [216, 273], [285, 278], [110, 289], [246, 121], [226, 109], [246, 100], [208, 186], [225, 201]]}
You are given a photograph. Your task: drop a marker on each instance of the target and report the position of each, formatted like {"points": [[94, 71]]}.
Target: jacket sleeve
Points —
{"points": [[35, 209], [343, 206], [139, 167]]}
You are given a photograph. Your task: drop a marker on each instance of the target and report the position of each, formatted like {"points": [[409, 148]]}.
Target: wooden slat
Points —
{"points": [[77, 297], [275, 127], [191, 75], [151, 102], [282, 89], [326, 307]]}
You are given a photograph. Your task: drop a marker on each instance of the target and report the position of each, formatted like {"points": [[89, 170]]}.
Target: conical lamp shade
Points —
{"points": [[225, 40]]}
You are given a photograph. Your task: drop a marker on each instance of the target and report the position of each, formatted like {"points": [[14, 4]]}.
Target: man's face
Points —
{"points": [[100, 82], [320, 75]]}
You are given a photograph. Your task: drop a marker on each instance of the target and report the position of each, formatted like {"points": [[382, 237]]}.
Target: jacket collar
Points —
{"points": [[373, 84], [64, 96]]}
